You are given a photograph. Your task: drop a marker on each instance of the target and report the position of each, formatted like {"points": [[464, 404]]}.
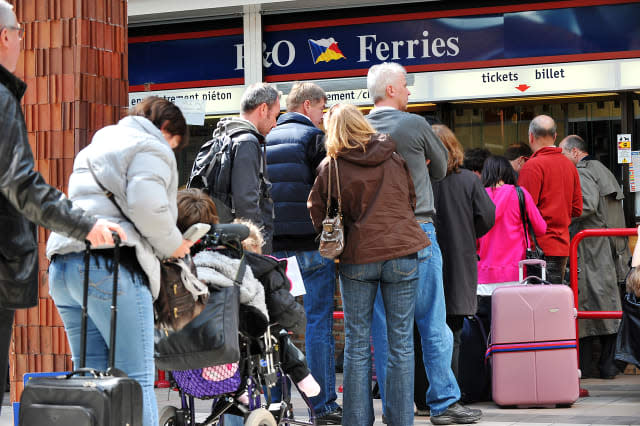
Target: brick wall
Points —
{"points": [[74, 62]]}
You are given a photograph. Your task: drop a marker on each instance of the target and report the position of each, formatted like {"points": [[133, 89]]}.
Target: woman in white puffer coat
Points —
{"points": [[134, 160]]}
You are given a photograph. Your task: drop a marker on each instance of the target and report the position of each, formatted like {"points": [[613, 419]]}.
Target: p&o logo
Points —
{"points": [[325, 50]]}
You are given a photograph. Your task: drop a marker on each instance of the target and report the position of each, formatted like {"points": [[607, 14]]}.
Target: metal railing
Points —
{"points": [[573, 277], [573, 269]]}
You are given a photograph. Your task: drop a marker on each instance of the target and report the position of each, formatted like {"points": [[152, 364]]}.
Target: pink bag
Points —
{"points": [[533, 345]]}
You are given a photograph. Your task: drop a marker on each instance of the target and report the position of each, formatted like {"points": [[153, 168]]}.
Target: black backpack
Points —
{"points": [[211, 172]]}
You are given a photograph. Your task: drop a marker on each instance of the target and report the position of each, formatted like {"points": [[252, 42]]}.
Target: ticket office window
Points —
{"points": [[497, 127], [598, 123]]}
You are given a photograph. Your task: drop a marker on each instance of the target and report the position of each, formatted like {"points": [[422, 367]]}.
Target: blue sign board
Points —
{"points": [[474, 41], [209, 58], [443, 40]]}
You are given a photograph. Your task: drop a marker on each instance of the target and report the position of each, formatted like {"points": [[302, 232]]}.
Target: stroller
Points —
{"points": [[230, 385]]}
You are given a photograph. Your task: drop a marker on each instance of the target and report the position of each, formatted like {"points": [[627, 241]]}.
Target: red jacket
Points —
{"points": [[554, 184]]}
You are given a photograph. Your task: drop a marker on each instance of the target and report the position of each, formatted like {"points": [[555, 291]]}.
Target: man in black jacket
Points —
{"points": [[250, 187], [26, 200]]}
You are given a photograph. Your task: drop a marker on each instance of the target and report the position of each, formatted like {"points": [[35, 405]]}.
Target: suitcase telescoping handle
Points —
{"points": [[541, 262], [114, 300]]}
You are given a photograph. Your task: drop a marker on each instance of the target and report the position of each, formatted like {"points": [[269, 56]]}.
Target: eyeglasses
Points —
{"points": [[19, 29]]}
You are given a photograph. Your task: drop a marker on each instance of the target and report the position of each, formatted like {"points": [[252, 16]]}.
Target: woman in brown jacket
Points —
{"points": [[382, 238]]}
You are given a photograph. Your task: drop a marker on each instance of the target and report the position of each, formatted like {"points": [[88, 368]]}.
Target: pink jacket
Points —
{"points": [[503, 247]]}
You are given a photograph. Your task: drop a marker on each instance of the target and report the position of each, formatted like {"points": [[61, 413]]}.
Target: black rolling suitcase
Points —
{"points": [[97, 398]]}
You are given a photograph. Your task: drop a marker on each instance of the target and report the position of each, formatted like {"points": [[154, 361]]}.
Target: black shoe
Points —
{"points": [[332, 418], [384, 419], [457, 414]]}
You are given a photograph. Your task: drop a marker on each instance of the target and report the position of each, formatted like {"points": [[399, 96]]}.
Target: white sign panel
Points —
{"points": [[217, 100], [486, 83], [624, 148], [630, 74], [192, 109], [523, 81]]}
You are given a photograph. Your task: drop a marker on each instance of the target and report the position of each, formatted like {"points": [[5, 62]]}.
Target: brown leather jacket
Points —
{"points": [[378, 200]]}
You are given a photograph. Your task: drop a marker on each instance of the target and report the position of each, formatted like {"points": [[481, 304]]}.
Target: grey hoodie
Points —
{"points": [[416, 143]]}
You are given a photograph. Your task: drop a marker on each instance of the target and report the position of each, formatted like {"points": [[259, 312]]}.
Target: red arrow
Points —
{"points": [[522, 87]]}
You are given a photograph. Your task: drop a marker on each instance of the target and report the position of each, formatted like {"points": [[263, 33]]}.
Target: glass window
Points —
{"points": [[497, 127], [598, 123]]}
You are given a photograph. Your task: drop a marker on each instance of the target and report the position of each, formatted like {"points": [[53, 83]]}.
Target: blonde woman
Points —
{"points": [[382, 238]]}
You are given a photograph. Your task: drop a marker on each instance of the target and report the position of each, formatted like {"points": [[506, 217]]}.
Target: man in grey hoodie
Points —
{"points": [[250, 187], [426, 158]]}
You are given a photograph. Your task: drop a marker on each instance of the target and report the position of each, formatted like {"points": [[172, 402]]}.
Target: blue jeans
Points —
{"points": [[319, 279], [436, 337], [134, 329], [397, 280]]}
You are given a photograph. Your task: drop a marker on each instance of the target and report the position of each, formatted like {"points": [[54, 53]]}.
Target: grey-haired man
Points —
{"points": [[418, 145]]}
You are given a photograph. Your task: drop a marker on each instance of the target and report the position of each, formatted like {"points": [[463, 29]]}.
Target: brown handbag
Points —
{"points": [[332, 235], [182, 297]]}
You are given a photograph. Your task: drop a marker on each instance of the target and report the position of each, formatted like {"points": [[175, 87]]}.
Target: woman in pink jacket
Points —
{"points": [[503, 246]]}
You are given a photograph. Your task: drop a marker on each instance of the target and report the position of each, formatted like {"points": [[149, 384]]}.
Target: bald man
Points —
{"points": [[554, 185]]}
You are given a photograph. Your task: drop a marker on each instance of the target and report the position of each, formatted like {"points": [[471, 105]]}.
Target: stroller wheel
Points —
{"points": [[168, 416], [260, 417]]}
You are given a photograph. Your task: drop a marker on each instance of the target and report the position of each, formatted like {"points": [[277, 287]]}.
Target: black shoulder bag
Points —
{"points": [[534, 251]]}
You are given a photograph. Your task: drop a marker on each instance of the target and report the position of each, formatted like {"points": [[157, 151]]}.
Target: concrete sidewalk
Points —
{"points": [[612, 402]]}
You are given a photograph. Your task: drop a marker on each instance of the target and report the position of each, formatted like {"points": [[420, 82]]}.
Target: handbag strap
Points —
{"points": [[110, 196], [241, 270], [335, 162], [526, 223], [338, 186], [523, 215], [329, 190]]}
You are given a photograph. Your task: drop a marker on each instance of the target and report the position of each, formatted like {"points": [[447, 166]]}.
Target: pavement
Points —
{"points": [[611, 402]]}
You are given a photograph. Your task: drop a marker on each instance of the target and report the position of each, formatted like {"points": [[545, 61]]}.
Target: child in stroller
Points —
{"points": [[263, 356]]}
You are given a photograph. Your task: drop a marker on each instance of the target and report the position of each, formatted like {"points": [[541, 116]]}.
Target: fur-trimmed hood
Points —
{"points": [[219, 270]]}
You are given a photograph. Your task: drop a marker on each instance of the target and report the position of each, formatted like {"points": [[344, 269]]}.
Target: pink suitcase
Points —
{"points": [[533, 346]]}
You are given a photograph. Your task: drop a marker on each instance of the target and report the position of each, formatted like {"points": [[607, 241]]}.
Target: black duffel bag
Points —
{"points": [[628, 340]]}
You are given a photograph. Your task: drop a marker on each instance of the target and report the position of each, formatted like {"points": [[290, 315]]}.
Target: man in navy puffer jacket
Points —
{"points": [[295, 147]]}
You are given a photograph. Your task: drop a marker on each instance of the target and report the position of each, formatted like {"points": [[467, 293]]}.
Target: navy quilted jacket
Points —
{"points": [[295, 147]]}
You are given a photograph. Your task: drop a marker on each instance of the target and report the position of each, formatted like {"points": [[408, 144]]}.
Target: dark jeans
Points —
{"points": [[6, 325], [455, 324]]}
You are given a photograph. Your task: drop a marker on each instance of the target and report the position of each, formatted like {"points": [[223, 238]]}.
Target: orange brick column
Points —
{"points": [[75, 64]]}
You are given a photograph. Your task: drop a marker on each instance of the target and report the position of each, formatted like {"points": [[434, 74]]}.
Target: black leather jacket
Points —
{"points": [[25, 200]]}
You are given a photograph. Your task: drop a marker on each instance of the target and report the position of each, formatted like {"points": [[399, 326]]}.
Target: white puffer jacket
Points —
{"points": [[134, 161]]}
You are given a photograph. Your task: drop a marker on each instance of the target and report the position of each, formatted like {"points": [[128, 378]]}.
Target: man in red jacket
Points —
{"points": [[555, 188]]}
